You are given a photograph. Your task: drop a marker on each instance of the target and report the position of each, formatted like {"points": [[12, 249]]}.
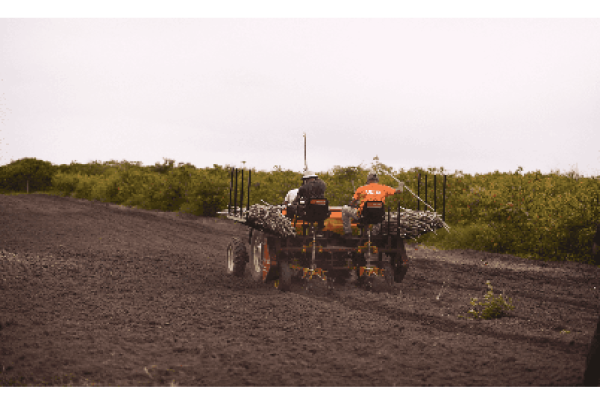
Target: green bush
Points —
{"points": [[492, 306], [84, 187], [65, 183], [106, 189]]}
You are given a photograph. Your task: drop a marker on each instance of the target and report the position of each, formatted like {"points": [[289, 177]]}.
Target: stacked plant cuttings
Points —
{"points": [[271, 220], [413, 223]]}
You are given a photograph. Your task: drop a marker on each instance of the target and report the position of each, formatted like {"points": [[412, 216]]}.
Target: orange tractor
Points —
{"points": [[276, 255]]}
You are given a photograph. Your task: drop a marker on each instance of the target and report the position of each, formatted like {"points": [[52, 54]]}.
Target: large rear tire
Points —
{"points": [[591, 376], [394, 271], [401, 262], [257, 245], [390, 270], [263, 257], [237, 258], [400, 273]]}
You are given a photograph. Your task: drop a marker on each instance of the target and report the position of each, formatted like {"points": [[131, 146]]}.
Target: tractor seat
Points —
{"points": [[315, 210], [372, 213]]}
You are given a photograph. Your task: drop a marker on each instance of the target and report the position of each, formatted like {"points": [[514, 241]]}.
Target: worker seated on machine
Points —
{"points": [[290, 208], [313, 188], [371, 192]]}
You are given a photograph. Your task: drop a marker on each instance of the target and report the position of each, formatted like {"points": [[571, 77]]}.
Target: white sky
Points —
{"points": [[474, 94]]}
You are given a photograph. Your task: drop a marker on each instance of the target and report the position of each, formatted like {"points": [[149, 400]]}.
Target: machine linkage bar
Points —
{"points": [[335, 249]]}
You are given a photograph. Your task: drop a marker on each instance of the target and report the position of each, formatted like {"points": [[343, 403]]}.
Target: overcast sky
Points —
{"points": [[475, 95]]}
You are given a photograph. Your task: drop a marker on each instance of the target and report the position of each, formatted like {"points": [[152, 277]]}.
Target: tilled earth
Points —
{"points": [[97, 294]]}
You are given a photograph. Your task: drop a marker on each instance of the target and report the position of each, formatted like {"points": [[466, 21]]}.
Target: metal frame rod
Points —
{"points": [[434, 192], [398, 221], [426, 190], [419, 192], [242, 195], [388, 233], [249, 180], [444, 200], [230, 190], [235, 194]]}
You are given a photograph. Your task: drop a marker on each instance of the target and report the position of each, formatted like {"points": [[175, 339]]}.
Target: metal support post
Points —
{"points": [[434, 193], [235, 195], [242, 195], [249, 184], [444, 201], [230, 190], [398, 221], [425, 190], [419, 191], [388, 233]]}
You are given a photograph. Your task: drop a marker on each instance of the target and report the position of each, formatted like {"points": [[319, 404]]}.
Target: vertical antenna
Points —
{"points": [[305, 166]]}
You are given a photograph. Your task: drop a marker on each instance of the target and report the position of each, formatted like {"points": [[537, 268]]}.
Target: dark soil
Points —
{"points": [[97, 294]]}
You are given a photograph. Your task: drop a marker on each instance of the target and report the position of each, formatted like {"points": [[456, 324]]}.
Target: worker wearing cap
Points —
{"points": [[371, 192], [313, 188], [290, 208], [289, 201]]}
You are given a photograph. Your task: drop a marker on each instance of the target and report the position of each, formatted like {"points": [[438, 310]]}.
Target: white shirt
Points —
{"points": [[291, 196]]}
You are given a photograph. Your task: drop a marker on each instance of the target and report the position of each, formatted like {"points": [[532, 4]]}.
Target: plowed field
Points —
{"points": [[97, 294]]}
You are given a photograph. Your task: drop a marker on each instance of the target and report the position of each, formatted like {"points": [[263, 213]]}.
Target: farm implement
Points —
{"points": [[282, 247]]}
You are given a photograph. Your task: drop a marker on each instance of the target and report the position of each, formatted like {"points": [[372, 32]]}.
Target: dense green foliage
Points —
{"points": [[26, 172], [548, 217], [533, 215]]}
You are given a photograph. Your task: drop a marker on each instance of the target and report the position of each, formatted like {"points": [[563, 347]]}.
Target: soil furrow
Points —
{"points": [[96, 294]]}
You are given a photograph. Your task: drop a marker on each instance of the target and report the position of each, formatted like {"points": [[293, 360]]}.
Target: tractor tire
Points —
{"points": [[285, 274], [400, 273], [390, 271], [400, 266], [237, 258], [256, 256], [394, 272], [263, 257], [591, 375]]}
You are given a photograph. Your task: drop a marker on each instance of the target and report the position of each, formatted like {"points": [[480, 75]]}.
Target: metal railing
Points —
{"points": [[434, 194], [233, 188]]}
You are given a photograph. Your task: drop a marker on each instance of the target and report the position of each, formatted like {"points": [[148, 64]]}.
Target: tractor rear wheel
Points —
{"points": [[395, 270], [400, 273], [591, 375], [400, 262], [390, 270], [237, 258], [257, 246], [263, 257]]}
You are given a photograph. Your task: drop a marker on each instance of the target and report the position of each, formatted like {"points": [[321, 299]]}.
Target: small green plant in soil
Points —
{"points": [[491, 307]]}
